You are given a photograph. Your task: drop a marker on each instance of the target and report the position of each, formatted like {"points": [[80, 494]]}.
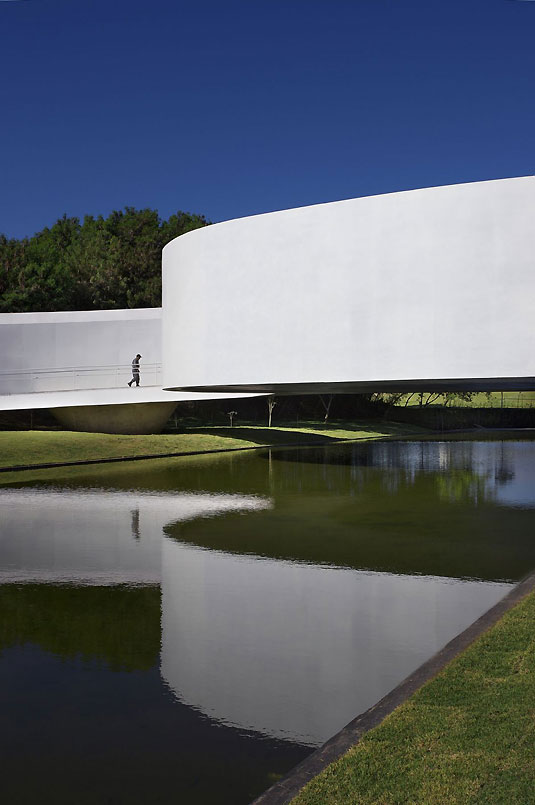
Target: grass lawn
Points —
{"points": [[314, 431], [467, 736], [40, 447], [511, 399]]}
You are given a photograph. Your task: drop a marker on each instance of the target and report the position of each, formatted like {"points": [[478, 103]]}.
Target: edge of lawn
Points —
{"points": [[223, 440], [291, 785]]}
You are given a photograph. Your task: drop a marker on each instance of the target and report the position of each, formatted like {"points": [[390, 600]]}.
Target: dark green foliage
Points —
{"points": [[102, 263], [118, 626]]}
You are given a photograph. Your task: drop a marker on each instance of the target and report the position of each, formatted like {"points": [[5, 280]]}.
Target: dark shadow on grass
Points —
{"points": [[265, 436]]}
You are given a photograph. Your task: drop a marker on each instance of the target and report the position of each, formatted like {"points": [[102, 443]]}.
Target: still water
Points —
{"points": [[188, 630]]}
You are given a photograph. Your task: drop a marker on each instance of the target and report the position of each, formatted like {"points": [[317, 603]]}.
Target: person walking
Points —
{"points": [[135, 370]]}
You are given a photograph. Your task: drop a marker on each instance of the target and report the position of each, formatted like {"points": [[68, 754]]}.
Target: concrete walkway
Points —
{"points": [[109, 396]]}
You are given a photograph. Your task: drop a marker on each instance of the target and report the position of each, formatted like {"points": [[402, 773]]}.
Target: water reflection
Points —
{"points": [[250, 605], [81, 693], [289, 650], [477, 469], [457, 509], [284, 649], [116, 627], [86, 537], [135, 524]]}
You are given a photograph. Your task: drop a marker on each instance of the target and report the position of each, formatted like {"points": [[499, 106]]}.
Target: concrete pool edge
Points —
{"points": [[282, 792]]}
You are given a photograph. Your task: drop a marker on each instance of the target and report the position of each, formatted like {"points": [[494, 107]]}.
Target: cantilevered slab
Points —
{"points": [[101, 397]]}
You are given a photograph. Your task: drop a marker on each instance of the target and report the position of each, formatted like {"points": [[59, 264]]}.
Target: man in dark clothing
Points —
{"points": [[135, 371]]}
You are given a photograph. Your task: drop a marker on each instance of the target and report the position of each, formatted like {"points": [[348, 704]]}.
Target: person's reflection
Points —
{"points": [[503, 472], [135, 524]]}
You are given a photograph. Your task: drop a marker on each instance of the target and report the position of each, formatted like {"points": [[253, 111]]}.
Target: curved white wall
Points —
{"points": [[432, 284], [77, 364], [34, 345]]}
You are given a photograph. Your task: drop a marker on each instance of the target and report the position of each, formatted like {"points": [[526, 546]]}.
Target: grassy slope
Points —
{"points": [[465, 737], [38, 447], [319, 430], [511, 399]]}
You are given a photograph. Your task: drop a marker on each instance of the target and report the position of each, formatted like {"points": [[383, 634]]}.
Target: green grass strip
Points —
{"points": [[54, 447], [467, 736], [43, 447], [510, 399]]}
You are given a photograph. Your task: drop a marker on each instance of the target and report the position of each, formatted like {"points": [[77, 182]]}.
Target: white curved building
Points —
{"points": [[429, 289]]}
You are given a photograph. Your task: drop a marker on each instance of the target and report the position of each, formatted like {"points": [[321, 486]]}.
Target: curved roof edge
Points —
{"points": [[370, 386], [438, 188]]}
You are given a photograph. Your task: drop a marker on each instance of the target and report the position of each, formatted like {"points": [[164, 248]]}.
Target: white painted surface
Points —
{"points": [[425, 284], [119, 396], [79, 358], [33, 345]]}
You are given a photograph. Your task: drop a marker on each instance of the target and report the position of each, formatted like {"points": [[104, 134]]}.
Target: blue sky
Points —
{"points": [[240, 107]]}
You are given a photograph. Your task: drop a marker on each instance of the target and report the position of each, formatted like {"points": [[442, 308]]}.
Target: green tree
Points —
{"points": [[102, 263]]}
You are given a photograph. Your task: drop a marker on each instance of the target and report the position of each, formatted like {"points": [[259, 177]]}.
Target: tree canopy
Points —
{"points": [[100, 263]]}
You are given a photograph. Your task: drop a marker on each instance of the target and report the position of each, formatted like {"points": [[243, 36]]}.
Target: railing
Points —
{"points": [[76, 378]]}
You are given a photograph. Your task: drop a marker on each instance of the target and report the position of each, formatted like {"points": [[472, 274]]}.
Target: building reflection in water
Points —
{"points": [[292, 650], [86, 536], [286, 649], [254, 602], [295, 596]]}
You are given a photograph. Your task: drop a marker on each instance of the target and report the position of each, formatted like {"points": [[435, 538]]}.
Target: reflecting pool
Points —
{"points": [[189, 629]]}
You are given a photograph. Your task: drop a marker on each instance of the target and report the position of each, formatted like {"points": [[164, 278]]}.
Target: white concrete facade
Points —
{"points": [[432, 287], [77, 364], [427, 289], [78, 350]]}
